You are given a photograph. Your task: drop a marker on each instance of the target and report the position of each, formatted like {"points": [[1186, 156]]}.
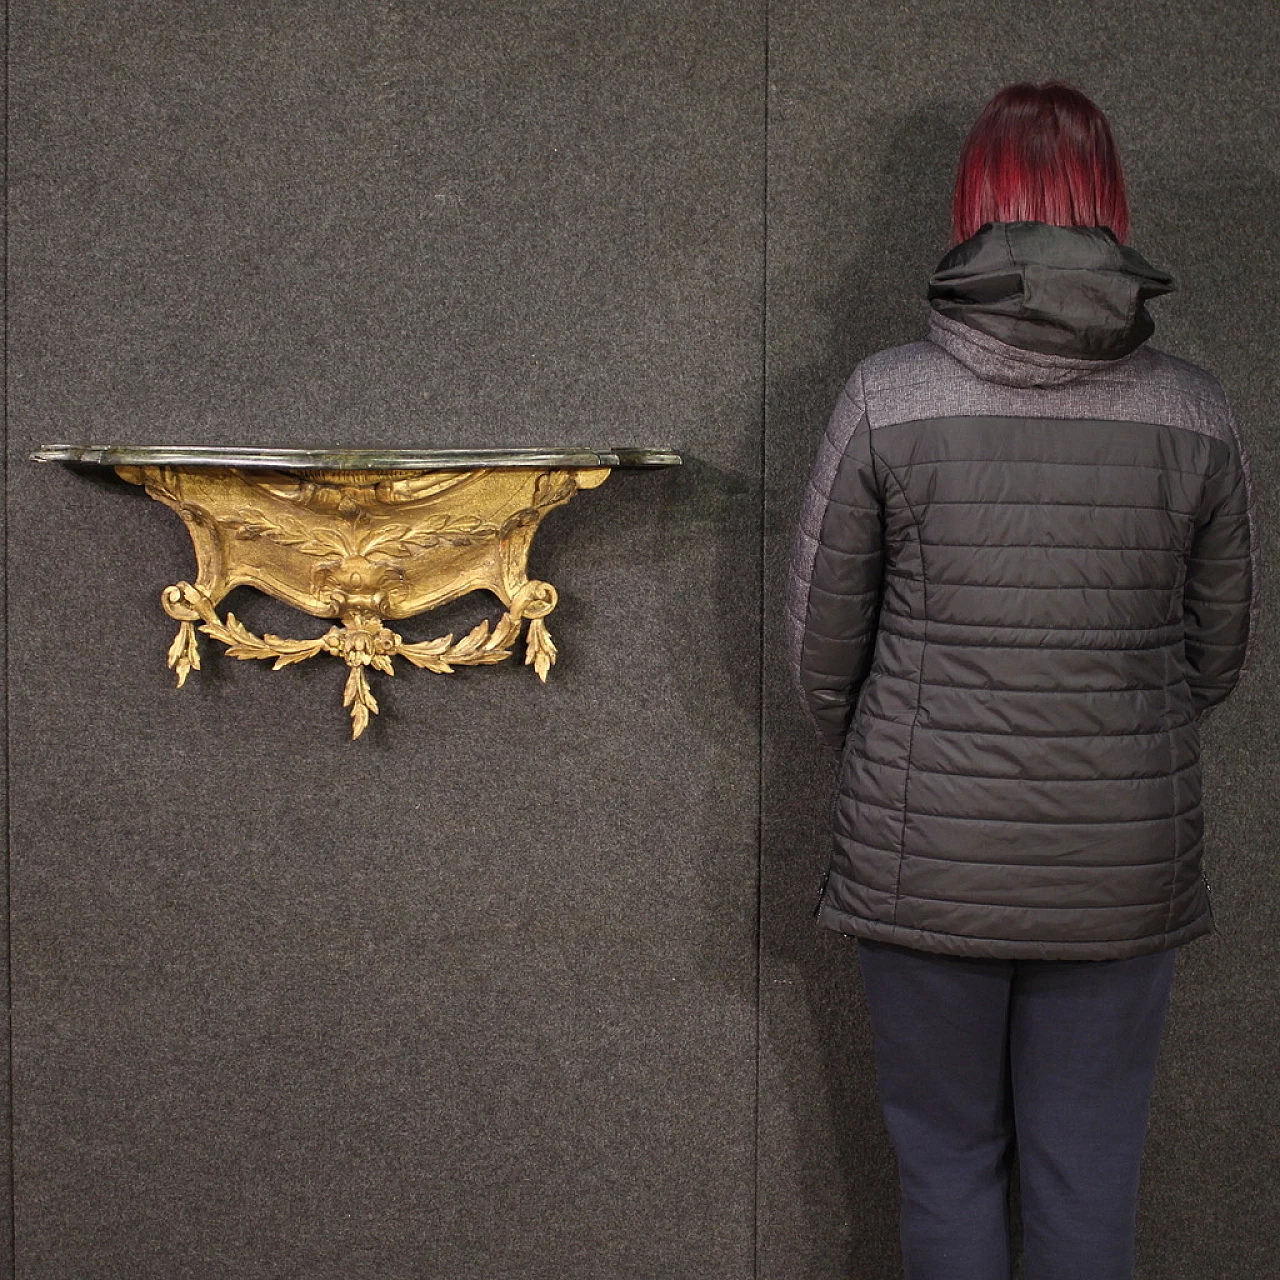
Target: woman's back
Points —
{"points": [[1025, 569], [1026, 556]]}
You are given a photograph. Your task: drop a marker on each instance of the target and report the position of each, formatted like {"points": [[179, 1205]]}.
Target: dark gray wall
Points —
{"points": [[475, 995], [524, 983], [6, 1097]]}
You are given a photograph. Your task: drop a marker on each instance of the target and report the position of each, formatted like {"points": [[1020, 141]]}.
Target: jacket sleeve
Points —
{"points": [[1220, 593], [833, 596]]}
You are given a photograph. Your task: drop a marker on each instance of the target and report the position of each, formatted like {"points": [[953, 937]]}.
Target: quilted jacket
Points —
{"points": [[1026, 566]]}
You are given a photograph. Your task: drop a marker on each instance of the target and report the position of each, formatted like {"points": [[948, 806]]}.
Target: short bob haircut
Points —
{"points": [[1040, 153]]}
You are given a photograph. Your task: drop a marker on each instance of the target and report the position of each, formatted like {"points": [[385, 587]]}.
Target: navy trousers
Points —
{"points": [[1056, 1056]]}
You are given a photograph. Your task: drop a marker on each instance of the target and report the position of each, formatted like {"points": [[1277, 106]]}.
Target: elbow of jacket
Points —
{"points": [[1207, 697], [831, 711]]}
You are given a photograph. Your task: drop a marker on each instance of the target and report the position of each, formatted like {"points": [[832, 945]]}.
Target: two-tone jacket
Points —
{"points": [[1026, 566]]}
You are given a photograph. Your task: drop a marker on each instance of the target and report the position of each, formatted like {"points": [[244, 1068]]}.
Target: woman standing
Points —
{"points": [[1026, 568]]}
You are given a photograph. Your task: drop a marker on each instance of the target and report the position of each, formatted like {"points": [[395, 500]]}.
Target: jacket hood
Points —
{"points": [[1031, 304]]}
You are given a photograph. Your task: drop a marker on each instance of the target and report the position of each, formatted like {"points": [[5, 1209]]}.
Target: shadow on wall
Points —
{"points": [[895, 213], [1210, 229]]}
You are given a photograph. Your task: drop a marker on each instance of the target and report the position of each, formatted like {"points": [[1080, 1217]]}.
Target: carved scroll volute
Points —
{"points": [[364, 548]]}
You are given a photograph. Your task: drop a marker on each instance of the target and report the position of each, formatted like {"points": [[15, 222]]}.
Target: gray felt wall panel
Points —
{"points": [[871, 103], [525, 983], [475, 995], [6, 1116]]}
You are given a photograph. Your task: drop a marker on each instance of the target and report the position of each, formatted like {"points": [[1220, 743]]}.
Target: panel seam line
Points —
{"points": [[12, 1250], [760, 684]]}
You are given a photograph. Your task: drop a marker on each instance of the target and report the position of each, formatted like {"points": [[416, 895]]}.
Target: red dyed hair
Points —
{"points": [[1040, 153]]}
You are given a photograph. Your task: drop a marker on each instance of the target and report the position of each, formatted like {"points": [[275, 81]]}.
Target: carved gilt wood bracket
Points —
{"points": [[365, 538]]}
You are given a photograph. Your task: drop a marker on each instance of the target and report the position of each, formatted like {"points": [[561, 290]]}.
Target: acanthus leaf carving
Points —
{"points": [[370, 561]]}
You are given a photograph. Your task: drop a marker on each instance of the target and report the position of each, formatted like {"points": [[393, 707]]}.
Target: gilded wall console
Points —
{"points": [[365, 537]]}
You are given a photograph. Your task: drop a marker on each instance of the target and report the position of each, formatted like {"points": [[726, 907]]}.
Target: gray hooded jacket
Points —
{"points": [[1026, 566]]}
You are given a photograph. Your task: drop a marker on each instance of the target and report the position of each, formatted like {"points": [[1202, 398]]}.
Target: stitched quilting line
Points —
{"points": [[1100, 866], [1003, 462], [924, 605], [852, 506], [1205, 402], [1047, 648], [1004, 777], [1051, 864], [1089, 546], [963, 406], [1043, 906], [1053, 546], [1173, 802], [1039, 502], [1018, 733], [1005, 821], [1153, 588], [999, 688], [1040, 626], [849, 595]]}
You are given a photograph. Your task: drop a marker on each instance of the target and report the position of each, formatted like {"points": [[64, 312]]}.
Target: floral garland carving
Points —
{"points": [[363, 641]]}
